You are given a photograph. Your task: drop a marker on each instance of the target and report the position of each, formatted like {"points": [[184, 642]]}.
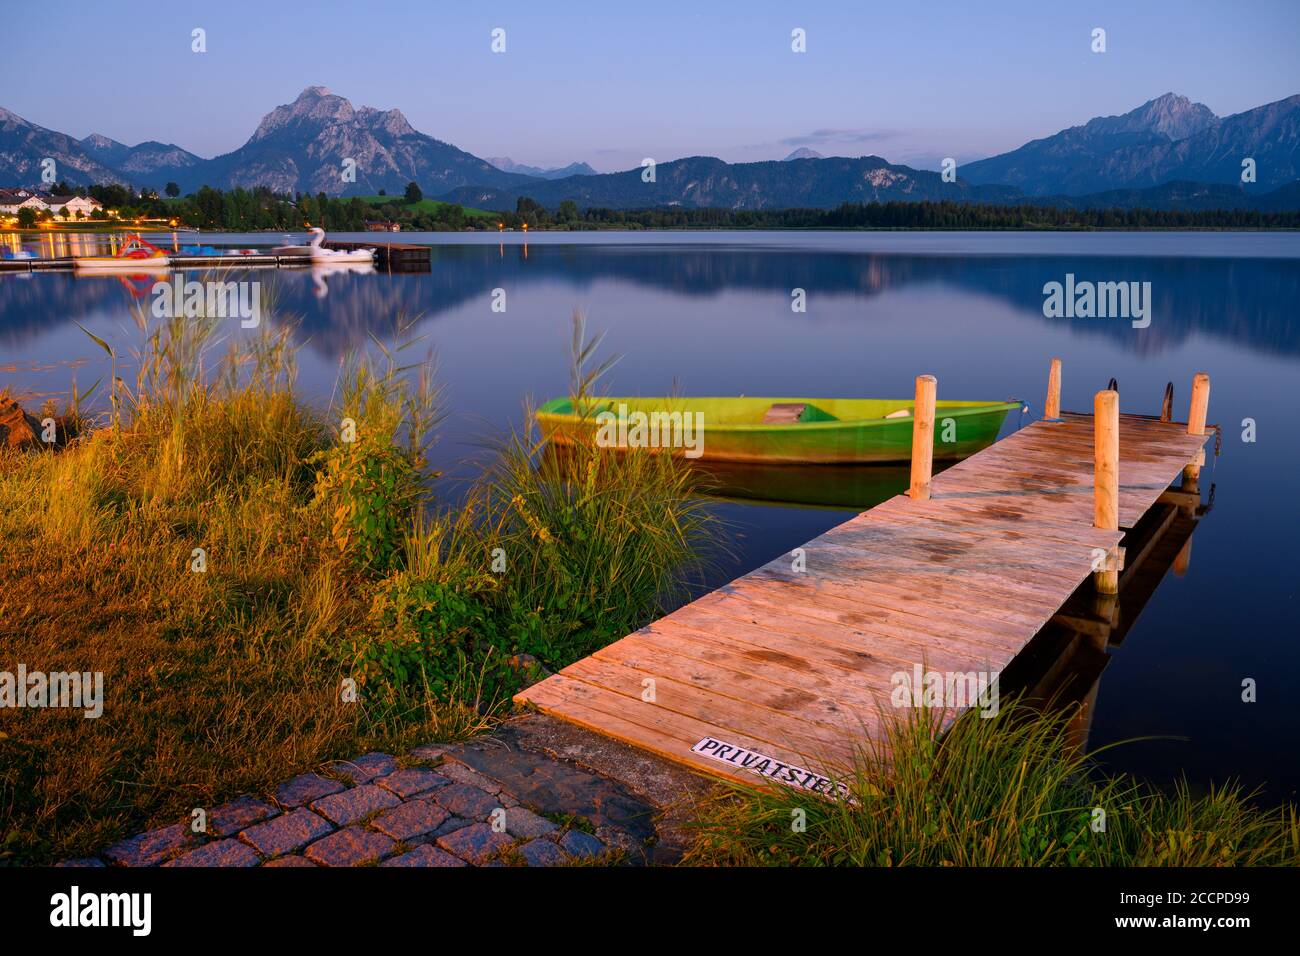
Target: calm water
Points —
{"points": [[711, 314]]}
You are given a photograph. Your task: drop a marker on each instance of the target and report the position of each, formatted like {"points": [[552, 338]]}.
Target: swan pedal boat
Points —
{"points": [[319, 254]]}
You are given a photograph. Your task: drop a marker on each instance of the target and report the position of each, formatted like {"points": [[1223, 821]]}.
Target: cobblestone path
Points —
{"points": [[536, 793]]}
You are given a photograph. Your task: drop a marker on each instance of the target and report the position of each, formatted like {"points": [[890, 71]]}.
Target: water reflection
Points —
{"points": [[1062, 667], [1234, 299], [855, 487]]}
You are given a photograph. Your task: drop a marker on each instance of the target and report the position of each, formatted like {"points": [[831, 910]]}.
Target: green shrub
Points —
{"points": [[369, 484], [431, 633], [366, 491]]}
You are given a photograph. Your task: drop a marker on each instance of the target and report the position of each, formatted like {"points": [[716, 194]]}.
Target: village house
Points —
{"points": [[12, 200]]}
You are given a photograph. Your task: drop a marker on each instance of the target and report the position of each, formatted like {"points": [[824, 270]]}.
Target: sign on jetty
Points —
{"points": [[786, 672]]}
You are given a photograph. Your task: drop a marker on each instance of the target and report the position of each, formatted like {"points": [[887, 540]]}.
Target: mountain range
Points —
{"points": [[1169, 153], [1167, 139], [508, 165]]}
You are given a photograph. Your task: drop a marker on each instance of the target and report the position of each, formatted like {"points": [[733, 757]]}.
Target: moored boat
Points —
{"points": [[317, 252], [136, 255], [777, 430]]}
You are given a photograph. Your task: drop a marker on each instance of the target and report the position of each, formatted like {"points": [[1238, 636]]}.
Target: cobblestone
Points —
{"points": [[229, 818], [364, 768], [466, 801], [286, 833], [577, 843], [526, 824], [542, 853], [351, 805], [475, 843], [151, 847], [229, 852], [305, 788], [351, 847], [425, 856], [412, 819], [412, 781]]}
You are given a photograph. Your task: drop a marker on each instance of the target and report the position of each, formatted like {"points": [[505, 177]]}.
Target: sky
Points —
{"points": [[610, 83]]}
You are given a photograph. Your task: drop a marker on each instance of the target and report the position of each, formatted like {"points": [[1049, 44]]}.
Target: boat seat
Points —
{"points": [[784, 413]]}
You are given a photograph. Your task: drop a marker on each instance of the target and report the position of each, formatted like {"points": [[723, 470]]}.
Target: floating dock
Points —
{"points": [[795, 664], [392, 256], [389, 257]]}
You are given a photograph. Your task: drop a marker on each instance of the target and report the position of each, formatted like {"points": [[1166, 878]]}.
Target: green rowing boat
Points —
{"points": [[791, 430]]}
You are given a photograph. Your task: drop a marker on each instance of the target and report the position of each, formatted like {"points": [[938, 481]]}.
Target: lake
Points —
{"points": [[711, 314]]}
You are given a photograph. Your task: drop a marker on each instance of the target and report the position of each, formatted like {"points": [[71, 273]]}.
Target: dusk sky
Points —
{"points": [[610, 84]]}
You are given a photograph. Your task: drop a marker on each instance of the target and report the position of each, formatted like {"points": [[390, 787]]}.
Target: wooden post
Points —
{"points": [[1105, 479], [1184, 558], [1052, 405], [1167, 406], [1196, 423], [923, 437]]}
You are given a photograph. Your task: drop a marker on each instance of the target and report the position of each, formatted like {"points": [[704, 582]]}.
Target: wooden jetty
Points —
{"points": [[392, 256], [795, 664], [174, 260]]}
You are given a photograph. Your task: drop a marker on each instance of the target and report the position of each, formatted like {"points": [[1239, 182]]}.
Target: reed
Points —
{"points": [[1002, 791], [325, 561], [549, 556], [216, 683]]}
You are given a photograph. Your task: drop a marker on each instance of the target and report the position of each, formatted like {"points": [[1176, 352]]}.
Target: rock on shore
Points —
{"points": [[17, 428]]}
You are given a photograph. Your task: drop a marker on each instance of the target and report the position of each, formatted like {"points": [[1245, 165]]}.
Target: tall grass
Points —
{"points": [[326, 561], [217, 682], [550, 555], [1008, 790]]}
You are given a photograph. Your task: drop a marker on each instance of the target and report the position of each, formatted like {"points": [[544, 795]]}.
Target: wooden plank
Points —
{"points": [[852, 648], [669, 735]]}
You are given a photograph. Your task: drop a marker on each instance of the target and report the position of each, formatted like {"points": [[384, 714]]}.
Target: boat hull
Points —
{"points": [[342, 256], [129, 266], [855, 431]]}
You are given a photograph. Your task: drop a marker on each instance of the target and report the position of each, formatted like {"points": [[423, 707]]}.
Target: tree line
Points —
{"points": [[252, 210]]}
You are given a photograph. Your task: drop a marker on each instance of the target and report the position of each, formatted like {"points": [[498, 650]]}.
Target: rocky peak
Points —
{"points": [[100, 141], [315, 106], [1170, 115], [391, 122], [12, 120]]}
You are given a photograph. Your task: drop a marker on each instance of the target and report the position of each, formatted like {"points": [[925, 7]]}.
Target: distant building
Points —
{"points": [[73, 204], [12, 200], [382, 226]]}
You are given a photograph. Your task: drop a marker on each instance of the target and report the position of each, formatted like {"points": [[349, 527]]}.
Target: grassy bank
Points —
{"points": [[233, 564], [1002, 791]]}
